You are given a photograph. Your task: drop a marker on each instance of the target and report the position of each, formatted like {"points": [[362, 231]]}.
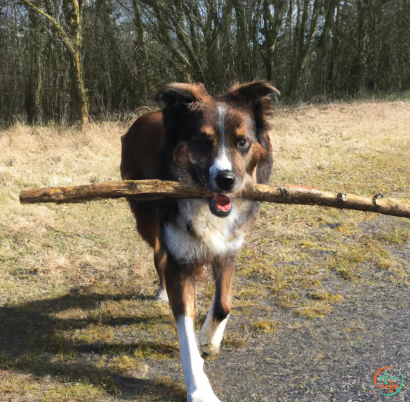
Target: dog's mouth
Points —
{"points": [[220, 205]]}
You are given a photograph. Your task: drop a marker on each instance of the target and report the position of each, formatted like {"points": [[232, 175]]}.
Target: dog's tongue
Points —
{"points": [[222, 202]]}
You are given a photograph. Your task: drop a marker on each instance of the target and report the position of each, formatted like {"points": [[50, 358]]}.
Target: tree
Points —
{"points": [[123, 51], [272, 25], [303, 40], [73, 43]]}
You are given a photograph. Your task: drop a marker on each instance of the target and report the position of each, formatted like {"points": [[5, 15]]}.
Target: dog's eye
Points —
{"points": [[242, 143]]}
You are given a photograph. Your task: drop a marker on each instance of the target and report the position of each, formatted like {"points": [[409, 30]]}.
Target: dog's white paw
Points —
{"points": [[209, 351], [162, 295], [203, 395], [201, 391]]}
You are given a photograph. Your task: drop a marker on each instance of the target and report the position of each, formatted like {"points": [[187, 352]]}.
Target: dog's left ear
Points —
{"points": [[255, 96], [181, 93], [253, 92]]}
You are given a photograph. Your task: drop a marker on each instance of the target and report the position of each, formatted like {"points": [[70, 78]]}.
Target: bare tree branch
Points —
{"points": [[57, 26], [146, 190]]}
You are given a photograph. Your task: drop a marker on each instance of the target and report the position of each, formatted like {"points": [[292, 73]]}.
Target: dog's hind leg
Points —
{"points": [[211, 334], [160, 260], [182, 299], [146, 216]]}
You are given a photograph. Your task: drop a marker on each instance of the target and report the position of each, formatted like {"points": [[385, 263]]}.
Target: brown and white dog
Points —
{"points": [[222, 143]]}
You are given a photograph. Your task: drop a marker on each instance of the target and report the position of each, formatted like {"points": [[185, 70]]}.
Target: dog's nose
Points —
{"points": [[225, 180]]}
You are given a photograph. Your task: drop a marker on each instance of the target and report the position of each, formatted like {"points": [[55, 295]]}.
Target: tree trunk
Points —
{"points": [[141, 51], [33, 100], [80, 101], [333, 68], [272, 25], [303, 45], [323, 47]]}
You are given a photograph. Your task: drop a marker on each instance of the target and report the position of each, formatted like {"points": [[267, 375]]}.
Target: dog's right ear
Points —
{"points": [[179, 92]]}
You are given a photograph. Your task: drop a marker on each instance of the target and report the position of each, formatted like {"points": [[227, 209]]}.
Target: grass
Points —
{"points": [[78, 319]]}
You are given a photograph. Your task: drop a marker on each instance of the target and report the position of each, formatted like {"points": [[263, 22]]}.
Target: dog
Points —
{"points": [[219, 142]]}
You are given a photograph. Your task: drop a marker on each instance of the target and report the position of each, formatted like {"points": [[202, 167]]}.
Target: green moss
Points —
{"points": [[323, 295], [384, 265], [308, 244], [310, 312], [264, 327], [233, 341]]}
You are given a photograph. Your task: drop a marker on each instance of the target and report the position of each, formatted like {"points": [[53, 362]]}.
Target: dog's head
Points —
{"points": [[220, 142]]}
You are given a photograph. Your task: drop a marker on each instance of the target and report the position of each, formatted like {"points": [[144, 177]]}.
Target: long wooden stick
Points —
{"points": [[146, 190]]}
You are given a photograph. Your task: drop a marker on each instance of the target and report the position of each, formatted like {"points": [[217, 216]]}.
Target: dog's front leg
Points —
{"points": [[181, 293], [213, 329]]}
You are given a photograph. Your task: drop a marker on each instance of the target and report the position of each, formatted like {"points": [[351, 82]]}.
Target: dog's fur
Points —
{"points": [[222, 143]]}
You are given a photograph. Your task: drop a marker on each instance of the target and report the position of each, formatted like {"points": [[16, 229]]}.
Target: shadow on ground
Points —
{"points": [[30, 338]]}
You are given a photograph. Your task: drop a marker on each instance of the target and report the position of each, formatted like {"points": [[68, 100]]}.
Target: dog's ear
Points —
{"points": [[180, 100], [253, 92], [179, 92], [254, 96]]}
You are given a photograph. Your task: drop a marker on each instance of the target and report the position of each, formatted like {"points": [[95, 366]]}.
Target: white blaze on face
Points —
{"points": [[222, 161], [198, 387]]}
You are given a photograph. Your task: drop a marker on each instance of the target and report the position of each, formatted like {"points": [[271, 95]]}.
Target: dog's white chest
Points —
{"points": [[198, 234]]}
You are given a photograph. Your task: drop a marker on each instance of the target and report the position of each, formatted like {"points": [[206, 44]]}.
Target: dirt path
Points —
{"points": [[334, 359]]}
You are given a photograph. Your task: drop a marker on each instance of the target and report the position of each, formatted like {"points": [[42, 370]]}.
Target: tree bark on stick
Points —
{"points": [[146, 190]]}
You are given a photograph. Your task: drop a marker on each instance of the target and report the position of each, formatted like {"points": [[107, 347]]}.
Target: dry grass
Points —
{"points": [[78, 322]]}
